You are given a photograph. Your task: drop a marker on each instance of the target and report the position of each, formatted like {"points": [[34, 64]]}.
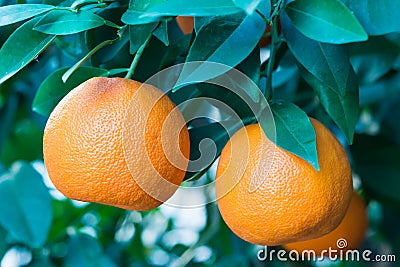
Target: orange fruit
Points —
{"points": [[352, 229], [186, 24], [293, 201], [118, 142]]}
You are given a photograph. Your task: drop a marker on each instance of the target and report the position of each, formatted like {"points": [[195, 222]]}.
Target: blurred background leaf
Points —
{"points": [[377, 18], [29, 219], [373, 59], [379, 170], [84, 250]]}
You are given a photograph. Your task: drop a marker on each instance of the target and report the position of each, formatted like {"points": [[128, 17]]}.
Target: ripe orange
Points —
{"points": [[117, 142], [186, 24], [294, 202], [352, 229]]}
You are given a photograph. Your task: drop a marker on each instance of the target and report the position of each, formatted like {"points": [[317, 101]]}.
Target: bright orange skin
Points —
{"points": [[186, 24], [294, 202], [87, 156], [352, 228]]}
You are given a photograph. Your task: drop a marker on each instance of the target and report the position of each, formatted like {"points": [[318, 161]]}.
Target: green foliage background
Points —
{"points": [[337, 61]]}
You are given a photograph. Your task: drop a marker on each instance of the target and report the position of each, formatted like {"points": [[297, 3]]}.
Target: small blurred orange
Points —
{"points": [[349, 234], [186, 24]]}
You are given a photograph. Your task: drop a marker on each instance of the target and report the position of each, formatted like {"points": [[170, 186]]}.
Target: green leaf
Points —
{"points": [[294, 132], [52, 89], [22, 47], [373, 59], [328, 21], [144, 11], [138, 35], [62, 22], [193, 8], [329, 63], [29, 217], [137, 9], [161, 32], [247, 6], [236, 35], [377, 17], [342, 109], [15, 13], [233, 38], [264, 7], [84, 250], [327, 69], [250, 6], [377, 163], [200, 22]]}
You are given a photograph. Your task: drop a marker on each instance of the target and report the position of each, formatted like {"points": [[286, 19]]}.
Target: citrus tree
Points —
{"points": [[292, 105]]}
